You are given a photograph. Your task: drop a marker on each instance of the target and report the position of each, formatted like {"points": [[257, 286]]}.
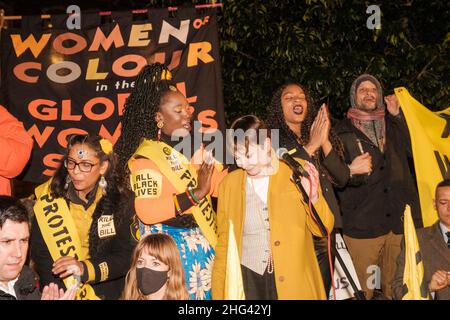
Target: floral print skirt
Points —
{"points": [[196, 254]]}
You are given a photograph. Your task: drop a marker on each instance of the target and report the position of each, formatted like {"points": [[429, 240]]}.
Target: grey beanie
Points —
{"points": [[357, 83]]}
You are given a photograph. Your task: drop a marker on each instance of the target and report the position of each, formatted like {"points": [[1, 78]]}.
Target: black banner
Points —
{"points": [[60, 81]]}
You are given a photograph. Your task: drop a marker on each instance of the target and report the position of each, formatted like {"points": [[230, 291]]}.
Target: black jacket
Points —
{"points": [[26, 287], [112, 253], [373, 205]]}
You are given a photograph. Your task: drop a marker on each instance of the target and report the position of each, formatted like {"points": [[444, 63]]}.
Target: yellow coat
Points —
{"points": [[297, 272]]}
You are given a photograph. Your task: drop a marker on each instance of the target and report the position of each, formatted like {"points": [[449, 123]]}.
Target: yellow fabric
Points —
{"points": [[181, 173], [234, 287], [414, 272], [90, 270], [53, 216], [106, 145], [430, 139], [297, 272]]}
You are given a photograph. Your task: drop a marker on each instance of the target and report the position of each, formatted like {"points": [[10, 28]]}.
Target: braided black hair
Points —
{"points": [[288, 139], [138, 119]]}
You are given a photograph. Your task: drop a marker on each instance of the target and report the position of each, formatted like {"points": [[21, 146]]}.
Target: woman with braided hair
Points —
{"points": [[172, 189], [307, 129]]}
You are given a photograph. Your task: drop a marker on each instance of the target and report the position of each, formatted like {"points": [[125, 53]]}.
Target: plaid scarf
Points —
{"points": [[372, 124]]}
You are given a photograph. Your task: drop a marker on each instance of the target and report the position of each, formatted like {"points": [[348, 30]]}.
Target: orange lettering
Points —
{"points": [[66, 112], [181, 86], [52, 160], [80, 43], [47, 114], [40, 138], [62, 135], [30, 43], [104, 133], [206, 117], [118, 68], [199, 50], [19, 71], [109, 108], [100, 39], [121, 99]]}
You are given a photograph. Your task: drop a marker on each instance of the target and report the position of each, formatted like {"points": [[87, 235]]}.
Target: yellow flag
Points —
{"points": [[413, 273], [234, 288], [430, 139]]}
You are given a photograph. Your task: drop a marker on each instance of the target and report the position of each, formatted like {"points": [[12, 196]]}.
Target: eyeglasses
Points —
{"points": [[83, 166]]}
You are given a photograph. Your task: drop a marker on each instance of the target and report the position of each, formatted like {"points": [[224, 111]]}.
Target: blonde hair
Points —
{"points": [[163, 248]]}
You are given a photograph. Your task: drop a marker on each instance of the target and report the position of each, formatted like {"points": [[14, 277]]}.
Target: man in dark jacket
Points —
{"points": [[434, 243], [373, 204], [17, 281]]}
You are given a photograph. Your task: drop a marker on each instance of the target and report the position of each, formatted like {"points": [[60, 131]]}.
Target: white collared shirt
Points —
{"points": [[9, 288], [444, 231]]}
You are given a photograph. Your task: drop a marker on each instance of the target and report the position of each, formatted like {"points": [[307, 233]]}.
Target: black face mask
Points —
{"points": [[150, 281]]}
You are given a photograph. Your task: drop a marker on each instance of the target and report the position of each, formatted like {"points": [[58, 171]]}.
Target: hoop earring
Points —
{"points": [[103, 184], [160, 124], [68, 180]]}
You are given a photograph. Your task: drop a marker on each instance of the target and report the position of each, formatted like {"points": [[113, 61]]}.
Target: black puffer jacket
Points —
{"points": [[26, 287], [110, 257]]}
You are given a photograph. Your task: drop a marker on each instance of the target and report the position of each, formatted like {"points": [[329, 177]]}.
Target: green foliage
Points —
{"points": [[325, 45]]}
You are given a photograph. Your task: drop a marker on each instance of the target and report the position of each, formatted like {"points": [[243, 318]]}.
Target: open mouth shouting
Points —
{"points": [[298, 110]]}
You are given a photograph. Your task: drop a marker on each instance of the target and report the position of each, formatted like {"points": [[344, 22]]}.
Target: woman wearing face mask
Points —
{"points": [[172, 189], [156, 271], [272, 225], [82, 229]]}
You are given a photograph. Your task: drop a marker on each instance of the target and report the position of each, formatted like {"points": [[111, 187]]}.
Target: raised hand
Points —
{"points": [[51, 292], [392, 104], [362, 164], [204, 174], [439, 281], [319, 133], [312, 182], [66, 266], [326, 144], [315, 134]]}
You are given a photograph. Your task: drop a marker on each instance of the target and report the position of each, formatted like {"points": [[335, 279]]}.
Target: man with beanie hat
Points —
{"points": [[373, 204]]}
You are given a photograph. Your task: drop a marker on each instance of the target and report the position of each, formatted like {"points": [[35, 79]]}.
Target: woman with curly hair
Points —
{"points": [[307, 129], [82, 228], [156, 271], [172, 189]]}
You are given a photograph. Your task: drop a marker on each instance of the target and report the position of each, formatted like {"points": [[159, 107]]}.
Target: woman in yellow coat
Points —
{"points": [[272, 225]]}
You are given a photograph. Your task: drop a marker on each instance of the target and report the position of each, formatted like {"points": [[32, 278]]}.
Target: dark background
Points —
{"points": [[322, 44]]}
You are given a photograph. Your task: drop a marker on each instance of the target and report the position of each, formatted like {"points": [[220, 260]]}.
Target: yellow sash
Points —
{"points": [[60, 234], [182, 174]]}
